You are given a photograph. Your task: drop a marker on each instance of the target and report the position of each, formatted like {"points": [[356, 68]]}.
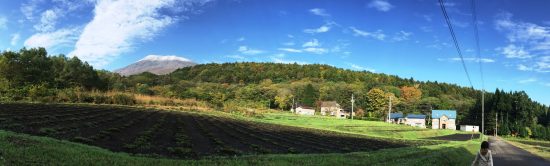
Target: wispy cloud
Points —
{"points": [[319, 12], [477, 60], [14, 39], [524, 68], [3, 22], [118, 25], [53, 40], [322, 29], [401, 36], [358, 67], [237, 57], [526, 81], [240, 39], [290, 50], [527, 41], [311, 43], [48, 20], [380, 5], [376, 35], [249, 51]]}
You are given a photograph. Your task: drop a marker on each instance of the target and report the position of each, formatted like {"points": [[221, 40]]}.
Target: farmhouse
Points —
{"points": [[470, 128], [302, 110], [331, 108], [396, 118], [417, 120], [444, 119]]}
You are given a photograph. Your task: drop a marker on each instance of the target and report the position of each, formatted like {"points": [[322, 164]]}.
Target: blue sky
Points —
{"points": [[408, 38]]}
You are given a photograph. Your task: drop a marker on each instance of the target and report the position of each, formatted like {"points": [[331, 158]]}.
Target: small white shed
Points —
{"points": [[470, 128], [305, 111]]}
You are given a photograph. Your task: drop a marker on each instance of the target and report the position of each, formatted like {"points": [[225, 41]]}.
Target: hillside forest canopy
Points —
{"points": [[33, 75]]}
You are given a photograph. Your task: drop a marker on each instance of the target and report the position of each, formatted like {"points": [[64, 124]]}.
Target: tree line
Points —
{"points": [[32, 74]]}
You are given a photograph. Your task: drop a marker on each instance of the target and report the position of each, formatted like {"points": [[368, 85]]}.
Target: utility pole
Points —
{"points": [[496, 124], [293, 109], [482, 111], [352, 102], [389, 111]]}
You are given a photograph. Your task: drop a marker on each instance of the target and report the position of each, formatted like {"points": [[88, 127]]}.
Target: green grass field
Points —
{"points": [[537, 147], [22, 149], [369, 128]]}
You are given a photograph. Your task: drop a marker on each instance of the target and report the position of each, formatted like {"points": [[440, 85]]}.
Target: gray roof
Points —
{"points": [[329, 104]]}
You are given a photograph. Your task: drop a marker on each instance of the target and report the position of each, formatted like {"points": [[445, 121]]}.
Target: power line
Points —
{"points": [[478, 52], [448, 20]]}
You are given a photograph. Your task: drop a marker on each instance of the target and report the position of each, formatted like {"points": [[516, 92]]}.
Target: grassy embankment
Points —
{"points": [[537, 147], [17, 149]]}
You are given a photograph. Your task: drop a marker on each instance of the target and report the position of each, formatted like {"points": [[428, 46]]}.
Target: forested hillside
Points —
{"points": [[30, 74]]}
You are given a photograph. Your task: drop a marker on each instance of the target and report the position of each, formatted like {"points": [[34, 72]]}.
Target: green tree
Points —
{"points": [[376, 102]]}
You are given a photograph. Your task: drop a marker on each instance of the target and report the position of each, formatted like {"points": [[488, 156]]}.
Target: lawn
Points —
{"points": [[21, 149], [369, 128], [537, 147]]}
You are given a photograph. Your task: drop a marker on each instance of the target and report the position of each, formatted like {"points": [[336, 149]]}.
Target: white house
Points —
{"points": [[444, 119], [416, 120], [470, 128], [305, 111], [331, 108]]}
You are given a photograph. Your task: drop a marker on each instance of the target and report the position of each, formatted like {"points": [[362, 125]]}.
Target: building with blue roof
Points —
{"points": [[396, 117], [444, 119], [417, 120]]}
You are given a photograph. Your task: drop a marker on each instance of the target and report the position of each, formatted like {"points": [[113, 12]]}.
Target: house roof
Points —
{"points": [[396, 115], [305, 107], [416, 116], [436, 114], [329, 104]]}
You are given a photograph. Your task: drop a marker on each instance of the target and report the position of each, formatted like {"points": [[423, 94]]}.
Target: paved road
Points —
{"points": [[507, 154]]}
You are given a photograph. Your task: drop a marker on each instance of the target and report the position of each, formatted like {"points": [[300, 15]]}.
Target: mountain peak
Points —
{"points": [[156, 64], [164, 58]]}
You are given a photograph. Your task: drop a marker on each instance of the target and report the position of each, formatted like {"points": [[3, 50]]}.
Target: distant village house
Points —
{"points": [[303, 110], [416, 120], [396, 118], [470, 128], [331, 108], [444, 119]]}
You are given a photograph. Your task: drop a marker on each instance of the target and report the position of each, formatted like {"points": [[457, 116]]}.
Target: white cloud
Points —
{"points": [[290, 36], [381, 5], [401, 36], [526, 81], [280, 60], [376, 35], [524, 68], [477, 60], [52, 40], [319, 12], [48, 20], [14, 39], [238, 57], [513, 51], [312, 43], [3, 22], [118, 25], [315, 50], [249, 51], [321, 29], [290, 50], [240, 39], [29, 8], [164, 58], [358, 67]]}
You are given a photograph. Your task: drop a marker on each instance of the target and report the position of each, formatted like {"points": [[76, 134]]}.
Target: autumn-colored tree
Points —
{"points": [[410, 93], [376, 102]]}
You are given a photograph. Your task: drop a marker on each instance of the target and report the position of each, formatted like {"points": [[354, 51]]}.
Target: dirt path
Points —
{"points": [[507, 154]]}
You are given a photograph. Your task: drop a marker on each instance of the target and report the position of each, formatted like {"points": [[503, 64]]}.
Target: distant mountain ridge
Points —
{"points": [[155, 64]]}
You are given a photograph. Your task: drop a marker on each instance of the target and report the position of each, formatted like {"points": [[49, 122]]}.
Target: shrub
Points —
{"points": [[123, 99]]}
